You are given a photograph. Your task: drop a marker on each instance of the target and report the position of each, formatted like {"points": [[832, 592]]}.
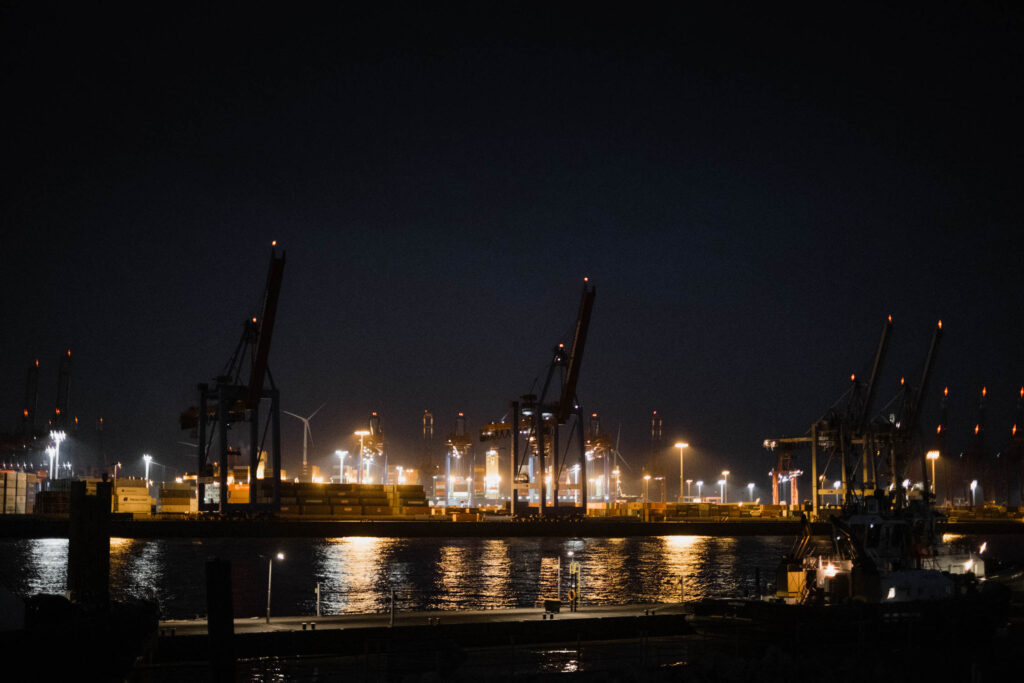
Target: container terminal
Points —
{"points": [[546, 459]]}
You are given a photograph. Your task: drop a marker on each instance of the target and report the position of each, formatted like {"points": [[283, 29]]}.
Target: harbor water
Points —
{"points": [[357, 575]]}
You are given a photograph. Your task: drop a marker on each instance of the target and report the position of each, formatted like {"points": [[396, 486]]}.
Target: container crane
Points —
{"points": [[541, 421], [231, 399]]}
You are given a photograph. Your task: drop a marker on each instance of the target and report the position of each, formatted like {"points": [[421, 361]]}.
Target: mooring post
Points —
{"points": [[89, 544], [220, 619]]}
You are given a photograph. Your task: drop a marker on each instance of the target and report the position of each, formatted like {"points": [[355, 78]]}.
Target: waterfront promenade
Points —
{"points": [[355, 634]]}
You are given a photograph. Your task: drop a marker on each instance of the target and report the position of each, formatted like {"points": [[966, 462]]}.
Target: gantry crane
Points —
{"points": [[231, 399], [848, 434], [540, 421], [600, 450], [458, 445]]}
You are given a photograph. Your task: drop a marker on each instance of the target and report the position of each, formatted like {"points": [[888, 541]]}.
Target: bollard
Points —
{"points": [[303, 626], [312, 626]]}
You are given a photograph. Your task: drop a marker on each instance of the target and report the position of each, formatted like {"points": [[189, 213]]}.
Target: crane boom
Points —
{"points": [[567, 401], [869, 393], [265, 330]]}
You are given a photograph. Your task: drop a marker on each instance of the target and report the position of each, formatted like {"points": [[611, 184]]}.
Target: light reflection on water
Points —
{"points": [[356, 574]]}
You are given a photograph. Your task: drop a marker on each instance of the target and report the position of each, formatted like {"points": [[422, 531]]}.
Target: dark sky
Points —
{"points": [[751, 192]]}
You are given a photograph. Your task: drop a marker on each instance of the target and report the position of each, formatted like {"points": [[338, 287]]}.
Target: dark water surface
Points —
{"points": [[357, 574]]}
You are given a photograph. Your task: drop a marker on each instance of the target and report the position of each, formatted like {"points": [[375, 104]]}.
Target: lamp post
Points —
{"points": [[933, 456], [721, 488], [750, 489], [361, 434], [270, 574], [341, 465], [147, 458], [52, 452], [688, 482], [974, 488], [836, 485], [681, 445], [57, 437], [700, 482], [725, 483], [647, 487]]}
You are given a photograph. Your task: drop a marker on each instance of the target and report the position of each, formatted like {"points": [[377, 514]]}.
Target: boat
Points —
{"points": [[882, 553]]}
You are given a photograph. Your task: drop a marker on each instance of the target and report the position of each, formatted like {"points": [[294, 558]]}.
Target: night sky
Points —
{"points": [[751, 191]]}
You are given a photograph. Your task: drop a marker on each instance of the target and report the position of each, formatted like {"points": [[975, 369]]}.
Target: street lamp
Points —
{"points": [[688, 482], [341, 465], [147, 458], [974, 488], [700, 482], [836, 485], [750, 488], [647, 485], [721, 486], [270, 574], [681, 445], [725, 482], [933, 456], [361, 434], [57, 437]]}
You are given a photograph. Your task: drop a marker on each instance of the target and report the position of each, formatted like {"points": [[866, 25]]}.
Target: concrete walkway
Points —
{"points": [[193, 627]]}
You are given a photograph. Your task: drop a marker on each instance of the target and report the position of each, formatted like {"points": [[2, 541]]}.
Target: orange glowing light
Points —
{"points": [[37, 362], [940, 324], [938, 430], [984, 390], [890, 317], [853, 377], [69, 353], [945, 392], [274, 243], [902, 380], [26, 412], [58, 411], [254, 319], [977, 428], [1013, 432]]}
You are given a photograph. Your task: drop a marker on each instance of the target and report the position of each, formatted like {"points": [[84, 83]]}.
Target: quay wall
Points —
{"points": [[35, 526]]}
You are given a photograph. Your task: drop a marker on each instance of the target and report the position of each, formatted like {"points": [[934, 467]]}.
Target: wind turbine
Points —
{"points": [[307, 436]]}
